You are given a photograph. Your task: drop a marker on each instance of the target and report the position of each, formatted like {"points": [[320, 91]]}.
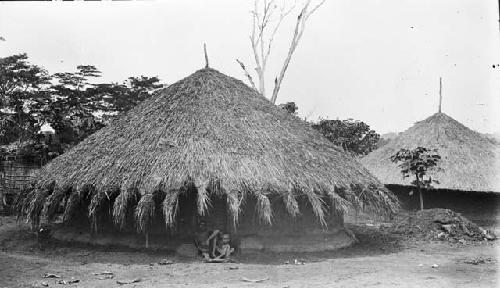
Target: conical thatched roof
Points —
{"points": [[215, 133], [469, 161]]}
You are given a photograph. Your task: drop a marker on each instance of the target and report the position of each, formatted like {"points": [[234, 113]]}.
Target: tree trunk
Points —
{"points": [[2, 189], [2, 185], [147, 240], [419, 192], [421, 199], [409, 217]]}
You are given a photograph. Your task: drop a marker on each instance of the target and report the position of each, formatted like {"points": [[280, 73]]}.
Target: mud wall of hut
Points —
{"points": [[476, 206], [219, 217], [283, 224], [302, 233], [249, 223]]}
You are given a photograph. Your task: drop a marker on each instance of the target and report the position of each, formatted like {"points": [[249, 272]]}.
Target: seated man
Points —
{"points": [[224, 250], [206, 240]]}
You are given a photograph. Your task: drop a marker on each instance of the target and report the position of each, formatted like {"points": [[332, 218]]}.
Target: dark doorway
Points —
{"points": [[188, 217], [217, 216]]}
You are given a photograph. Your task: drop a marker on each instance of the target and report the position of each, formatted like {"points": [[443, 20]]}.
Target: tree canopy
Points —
{"points": [[124, 96], [353, 135], [21, 85], [417, 163], [72, 103], [290, 107]]}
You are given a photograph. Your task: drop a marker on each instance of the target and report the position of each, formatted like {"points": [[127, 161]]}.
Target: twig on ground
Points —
{"points": [[244, 279]]}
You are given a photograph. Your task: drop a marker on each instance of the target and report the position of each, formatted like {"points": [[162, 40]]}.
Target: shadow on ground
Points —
{"points": [[17, 237]]}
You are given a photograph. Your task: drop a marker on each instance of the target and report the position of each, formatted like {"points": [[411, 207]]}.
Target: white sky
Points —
{"points": [[378, 61]]}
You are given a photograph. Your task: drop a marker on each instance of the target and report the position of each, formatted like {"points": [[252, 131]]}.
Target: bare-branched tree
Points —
{"points": [[266, 21]]}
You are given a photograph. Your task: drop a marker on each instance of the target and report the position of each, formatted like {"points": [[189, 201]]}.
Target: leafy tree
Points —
{"points": [[353, 135], [9, 130], [21, 84], [17, 77], [290, 107], [73, 104], [117, 98], [78, 80], [78, 108], [69, 101], [416, 163], [72, 91]]}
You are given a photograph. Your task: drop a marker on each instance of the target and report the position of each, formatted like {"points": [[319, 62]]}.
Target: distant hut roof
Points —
{"points": [[214, 132], [469, 160]]}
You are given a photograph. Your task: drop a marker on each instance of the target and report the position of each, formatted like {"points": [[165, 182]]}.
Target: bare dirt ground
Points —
{"points": [[378, 260]]}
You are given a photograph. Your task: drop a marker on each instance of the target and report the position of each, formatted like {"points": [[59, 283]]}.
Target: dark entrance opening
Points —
{"points": [[188, 217]]}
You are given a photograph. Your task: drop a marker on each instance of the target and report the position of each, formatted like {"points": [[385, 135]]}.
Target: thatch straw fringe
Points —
{"points": [[76, 199], [34, 207], [170, 206], [97, 203], [264, 210], [235, 200], [291, 204], [37, 203], [215, 188], [354, 191], [339, 204], [346, 199], [145, 213], [22, 201], [317, 205], [71, 206], [203, 200], [122, 204], [53, 203], [367, 197], [372, 193], [111, 193]]}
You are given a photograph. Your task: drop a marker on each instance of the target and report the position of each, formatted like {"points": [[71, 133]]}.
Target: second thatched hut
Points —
{"points": [[209, 147], [469, 174]]}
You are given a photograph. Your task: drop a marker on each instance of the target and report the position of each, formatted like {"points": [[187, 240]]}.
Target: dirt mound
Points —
{"points": [[439, 224]]}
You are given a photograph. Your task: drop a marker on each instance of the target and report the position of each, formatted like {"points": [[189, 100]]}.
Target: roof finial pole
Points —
{"points": [[206, 55], [440, 94]]}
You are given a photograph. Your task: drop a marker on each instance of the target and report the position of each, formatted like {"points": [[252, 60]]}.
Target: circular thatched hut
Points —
{"points": [[207, 146], [469, 178]]}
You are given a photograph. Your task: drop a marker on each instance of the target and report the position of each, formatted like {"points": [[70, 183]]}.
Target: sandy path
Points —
{"points": [[394, 270]]}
